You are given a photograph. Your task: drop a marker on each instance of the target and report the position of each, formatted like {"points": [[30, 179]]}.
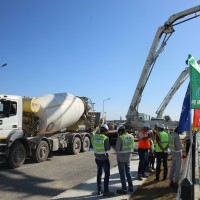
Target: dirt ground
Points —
{"points": [[156, 190]]}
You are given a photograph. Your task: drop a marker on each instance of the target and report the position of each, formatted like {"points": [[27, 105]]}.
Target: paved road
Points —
{"points": [[41, 181]]}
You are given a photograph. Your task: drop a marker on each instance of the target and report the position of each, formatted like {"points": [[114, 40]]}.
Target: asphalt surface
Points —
{"points": [[41, 181], [87, 190]]}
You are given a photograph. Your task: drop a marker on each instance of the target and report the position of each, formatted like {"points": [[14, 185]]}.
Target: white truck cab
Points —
{"points": [[11, 150], [10, 114]]}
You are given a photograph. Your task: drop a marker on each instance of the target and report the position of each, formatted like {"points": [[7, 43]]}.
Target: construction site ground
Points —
{"points": [[156, 190], [147, 189]]}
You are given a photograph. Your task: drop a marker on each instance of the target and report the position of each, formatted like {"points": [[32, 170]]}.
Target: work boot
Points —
{"points": [[149, 170], [122, 191], [130, 189], [108, 193], [156, 179], [140, 177], [171, 184], [99, 192], [175, 185], [144, 176]]}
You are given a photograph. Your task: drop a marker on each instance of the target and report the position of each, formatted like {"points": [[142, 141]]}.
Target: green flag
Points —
{"points": [[194, 82]]}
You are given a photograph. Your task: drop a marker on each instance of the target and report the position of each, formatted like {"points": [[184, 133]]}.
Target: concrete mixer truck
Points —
{"points": [[33, 127]]}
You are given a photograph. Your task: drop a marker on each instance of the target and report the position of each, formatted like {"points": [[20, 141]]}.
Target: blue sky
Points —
{"points": [[94, 48]]}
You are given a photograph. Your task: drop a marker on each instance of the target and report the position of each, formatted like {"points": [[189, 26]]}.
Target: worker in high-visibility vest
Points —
{"points": [[143, 150], [161, 151], [151, 159], [101, 145], [124, 149], [175, 147]]}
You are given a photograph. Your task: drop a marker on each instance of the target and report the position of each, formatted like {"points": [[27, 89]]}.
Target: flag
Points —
{"points": [[185, 122], [194, 82], [196, 119]]}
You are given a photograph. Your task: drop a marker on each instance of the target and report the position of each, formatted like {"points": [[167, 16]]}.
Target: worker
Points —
{"points": [[187, 141], [155, 129], [151, 159], [167, 130], [175, 147], [101, 145], [143, 149], [124, 149], [161, 151]]}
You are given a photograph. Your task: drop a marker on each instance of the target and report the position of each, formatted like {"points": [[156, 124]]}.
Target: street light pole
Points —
{"points": [[103, 110]]}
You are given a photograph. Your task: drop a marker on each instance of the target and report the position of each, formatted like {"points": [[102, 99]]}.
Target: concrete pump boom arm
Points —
{"points": [[182, 77], [166, 31]]}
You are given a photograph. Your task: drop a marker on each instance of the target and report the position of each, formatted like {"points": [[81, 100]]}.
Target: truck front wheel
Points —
{"points": [[75, 146], [86, 144], [41, 153], [16, 155]]}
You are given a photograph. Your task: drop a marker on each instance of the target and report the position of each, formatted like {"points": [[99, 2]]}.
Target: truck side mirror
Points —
{"points": [[6, 108]]}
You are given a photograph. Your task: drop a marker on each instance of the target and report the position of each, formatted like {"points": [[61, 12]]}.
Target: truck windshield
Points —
{"points": [[4, 109]]}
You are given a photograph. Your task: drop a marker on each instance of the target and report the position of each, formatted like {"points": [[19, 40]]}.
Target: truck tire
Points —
{"points": [[86, 144], [17, 155], [40, 154], [75, 146]]}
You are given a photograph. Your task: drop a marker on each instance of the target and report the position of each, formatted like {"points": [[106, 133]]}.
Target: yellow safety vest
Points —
{"points": [[127, 143], [98, 143], [163, 141]]}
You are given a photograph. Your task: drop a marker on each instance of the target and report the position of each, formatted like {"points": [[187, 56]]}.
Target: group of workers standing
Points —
{"points": [[157, 144], [153, 144]]}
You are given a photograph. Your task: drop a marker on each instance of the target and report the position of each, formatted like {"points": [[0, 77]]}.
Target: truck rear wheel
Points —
{"points": [[16, 155], [40, 154], [75, 146], [86, 144]]}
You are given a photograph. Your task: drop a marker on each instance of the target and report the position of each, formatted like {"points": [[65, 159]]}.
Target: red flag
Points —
{"points": [[196, 119]]}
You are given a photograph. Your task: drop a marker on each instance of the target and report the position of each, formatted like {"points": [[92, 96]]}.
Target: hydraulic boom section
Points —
{"points": [[182, 77], [164, 32]]}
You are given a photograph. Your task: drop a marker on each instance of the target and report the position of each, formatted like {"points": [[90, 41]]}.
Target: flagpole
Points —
{"points": [[192, 140]]}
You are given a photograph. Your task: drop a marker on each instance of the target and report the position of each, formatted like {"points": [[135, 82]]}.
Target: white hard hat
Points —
{"points": [[161, 126], [146, 124], [105, 126], [120, 127], [149, 131]]}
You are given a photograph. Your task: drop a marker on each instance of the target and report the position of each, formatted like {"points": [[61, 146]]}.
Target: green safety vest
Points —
{"points": [[127, 143], [163, 141], [152, 144], [172, 137], [98, 143]]}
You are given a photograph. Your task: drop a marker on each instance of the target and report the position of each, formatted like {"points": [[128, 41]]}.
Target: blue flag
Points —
{"points": [[185, 118]]}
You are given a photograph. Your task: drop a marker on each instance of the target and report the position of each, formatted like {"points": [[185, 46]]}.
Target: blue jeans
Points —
{"points": [[103, 165], [124, 172], [143, 157]]}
